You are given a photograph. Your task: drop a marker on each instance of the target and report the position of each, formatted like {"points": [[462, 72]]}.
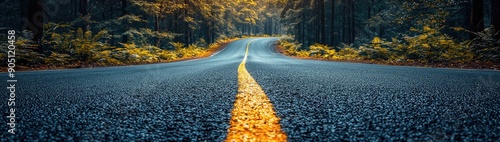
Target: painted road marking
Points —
{"points": [[253, 117]]}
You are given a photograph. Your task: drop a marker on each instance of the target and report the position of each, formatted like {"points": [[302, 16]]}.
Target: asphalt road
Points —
{"points": [[316, 100]]}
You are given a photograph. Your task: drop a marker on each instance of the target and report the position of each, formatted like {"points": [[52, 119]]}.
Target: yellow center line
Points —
{"points": [[253, 117]]}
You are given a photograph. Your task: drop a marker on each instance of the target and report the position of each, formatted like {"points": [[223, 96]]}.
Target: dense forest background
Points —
{"points": [[116, 32], [460, 32]]}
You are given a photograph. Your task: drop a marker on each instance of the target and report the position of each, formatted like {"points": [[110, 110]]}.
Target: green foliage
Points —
{"points": [[377, 50], [138, 55], [318, 51], [321, 51], [486, 47], [26, 54], [106, 58], [168, 55], [303, 53], [430, 45], [138, 37], [290, 48], [58, 60], [128, 19], [177, 45], [348, 53], [78, 44], [84, 48], [191, 51], [393, 32]]}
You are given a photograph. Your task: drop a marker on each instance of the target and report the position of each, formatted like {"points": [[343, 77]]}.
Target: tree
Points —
{"points": [[332, 43], [158, 10], [34, 21], [124, 13], [321, 33], [495, 17], [477, 21]]}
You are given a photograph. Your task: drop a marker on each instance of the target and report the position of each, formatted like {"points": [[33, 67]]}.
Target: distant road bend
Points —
{"points": [[247, 91]]}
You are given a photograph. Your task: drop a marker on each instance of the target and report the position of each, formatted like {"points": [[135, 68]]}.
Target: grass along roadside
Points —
{"points": [[130, 54], [375, 55]]}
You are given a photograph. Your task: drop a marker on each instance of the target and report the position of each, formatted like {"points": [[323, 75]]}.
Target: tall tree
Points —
{"points": [[477, 20], [344, 21], [124, 13], [348, 21], [34, 21], [332, 43], [322, 32], [495, 17], [352, 7]]}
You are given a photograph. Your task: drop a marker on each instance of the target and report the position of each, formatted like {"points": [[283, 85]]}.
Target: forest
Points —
{"points": [[443, 33], [87, 33]]}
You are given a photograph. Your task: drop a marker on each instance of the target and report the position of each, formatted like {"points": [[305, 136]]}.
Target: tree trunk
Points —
{"points": [[103, 10], [111, 10], [466, 12], [495, 17], [322, 33], [34, 21], [477, 22], [370, 9], [158, 30], [353, 15], [124, 7], [124, 12], [333, 24], [344, 21], [186, 27], [381, 31], [271, 27], [303, 34], [83, 13], [83, 8]]}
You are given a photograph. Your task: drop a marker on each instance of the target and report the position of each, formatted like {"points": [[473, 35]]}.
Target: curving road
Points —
{"points": [[315, 100]]}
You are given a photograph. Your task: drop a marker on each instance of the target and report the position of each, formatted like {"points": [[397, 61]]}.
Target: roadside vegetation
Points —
{"points": [[78, 49], [437, 33], [78, 34], [430, 48]]}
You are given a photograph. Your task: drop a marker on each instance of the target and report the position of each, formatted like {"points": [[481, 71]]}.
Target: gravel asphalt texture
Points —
{"points": [[316, 100]]}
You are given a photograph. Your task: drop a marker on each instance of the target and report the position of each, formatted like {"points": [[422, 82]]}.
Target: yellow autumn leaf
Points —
{"points": [[413, 29], [422, 37], [443, 41], [376, 40], [425, 45], [427, 28]]}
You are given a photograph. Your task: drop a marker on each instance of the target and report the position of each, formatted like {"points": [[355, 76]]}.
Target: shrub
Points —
{"points": [[432, 46], [58, 60], [303, 53], [377, 50], [321, 51], [80, 45], [168, 55], [348, 53], [290, 48], [486, 46], [26, 54], [139, 55]]}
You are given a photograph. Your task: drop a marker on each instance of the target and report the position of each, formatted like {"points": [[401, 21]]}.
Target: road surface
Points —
{"points": [[314, 100]]}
